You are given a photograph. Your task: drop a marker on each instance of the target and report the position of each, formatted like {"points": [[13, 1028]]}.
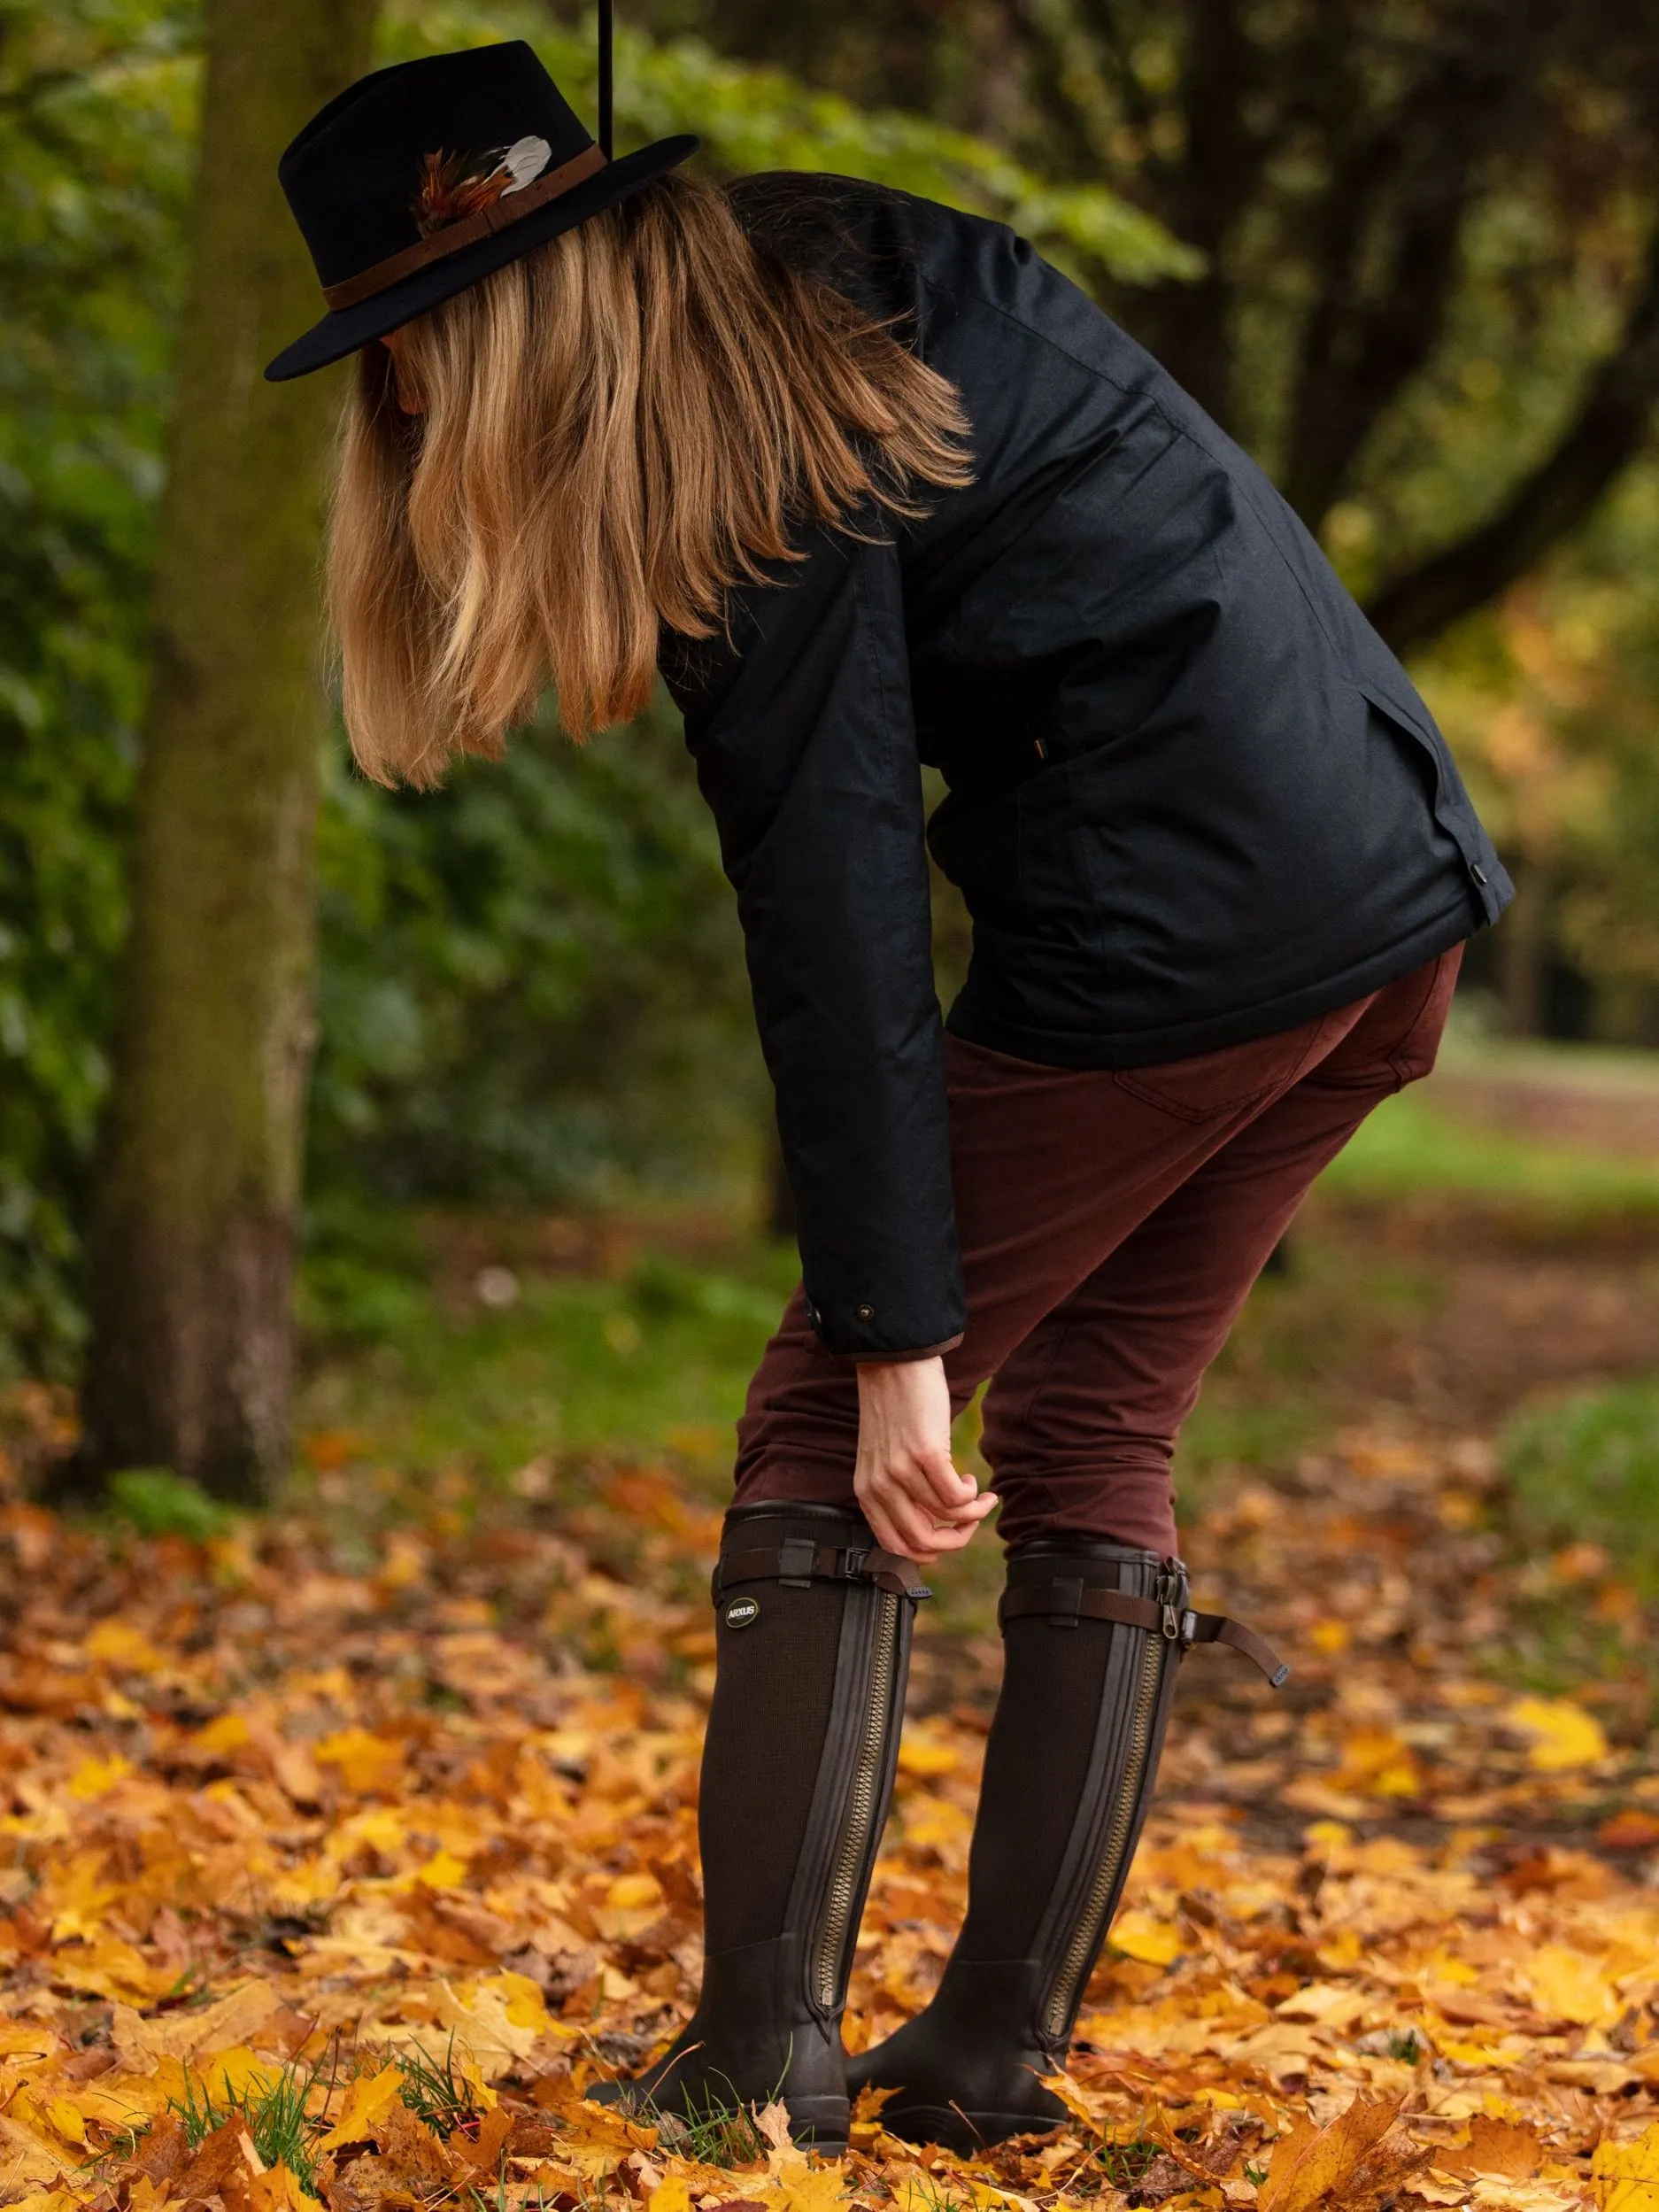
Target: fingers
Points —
{"points": [[905, 1518], [914, 1497], [948, 1488]]}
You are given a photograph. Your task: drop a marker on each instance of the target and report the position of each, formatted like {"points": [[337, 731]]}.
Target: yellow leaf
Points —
{"points": [[1069, 2095], [1563, 1734], [633, 1892], [78, 1897], [1379, 1762], [66, 2119], [1567, 1985], [485, 2035], [817, 2188], [229, 1733], [1329, 1636], [142, 2043], [227, 2076], [441, 1871], [24, 2156], [1139, 1935], [526, 2007], [365, 1762], [922, 1754], [368, 2099], [112, 1644], [672, 2195], [95, 1777], [1626, 2175], [277, 2190], [111, 1969], [19, 2038]]}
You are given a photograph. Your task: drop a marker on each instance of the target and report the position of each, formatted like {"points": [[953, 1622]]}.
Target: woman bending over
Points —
{"points": [[872, 486]]}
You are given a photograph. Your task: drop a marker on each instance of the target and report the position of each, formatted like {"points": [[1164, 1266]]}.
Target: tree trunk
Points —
{"points": [[1524, 949], [194, 1218]]}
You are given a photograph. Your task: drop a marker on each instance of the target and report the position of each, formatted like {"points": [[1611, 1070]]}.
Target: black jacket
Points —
{"points": [[1193, 797]]}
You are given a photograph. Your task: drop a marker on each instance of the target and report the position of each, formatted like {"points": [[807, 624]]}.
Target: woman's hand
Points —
{"points": [[906, 1481]]}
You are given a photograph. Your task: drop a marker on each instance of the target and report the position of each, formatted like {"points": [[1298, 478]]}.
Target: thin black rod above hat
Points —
{"points": [[606, 75]]}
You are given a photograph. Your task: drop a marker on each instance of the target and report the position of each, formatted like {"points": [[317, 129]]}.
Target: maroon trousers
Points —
{"points": [[1111, 1226]]}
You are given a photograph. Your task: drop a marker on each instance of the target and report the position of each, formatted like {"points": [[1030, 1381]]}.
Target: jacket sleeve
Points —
{"points": [[809, 762]]}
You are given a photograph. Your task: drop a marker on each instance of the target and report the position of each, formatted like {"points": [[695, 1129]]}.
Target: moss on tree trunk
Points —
{"points": [[194, 1232]]}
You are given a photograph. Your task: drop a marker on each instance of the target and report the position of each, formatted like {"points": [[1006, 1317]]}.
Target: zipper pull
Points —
{"points": [[1168, 1592]]}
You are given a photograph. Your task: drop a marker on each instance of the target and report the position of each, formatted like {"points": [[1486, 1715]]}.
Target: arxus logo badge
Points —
{"points": [[742, 1611]]}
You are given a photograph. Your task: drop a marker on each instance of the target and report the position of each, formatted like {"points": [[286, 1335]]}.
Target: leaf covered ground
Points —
{"points": [[344, 1885]]}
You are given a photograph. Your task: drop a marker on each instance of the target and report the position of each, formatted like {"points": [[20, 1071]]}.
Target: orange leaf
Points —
{"points": [[1307, 2166], [1494, 2146]]}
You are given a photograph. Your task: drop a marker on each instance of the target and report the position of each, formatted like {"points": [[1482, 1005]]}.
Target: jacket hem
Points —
{"points": [[1181, 1041]]}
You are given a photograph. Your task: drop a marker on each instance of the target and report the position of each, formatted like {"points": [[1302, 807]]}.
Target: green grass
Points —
{"points": [[157, 1502], [1587, 1469], [275, 2116], [439, 2096], [651, 1362], [1411, 1145], [655, 1362]]}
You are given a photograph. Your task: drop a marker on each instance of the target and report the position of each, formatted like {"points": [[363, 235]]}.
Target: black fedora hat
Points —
{"points": [[420, 179]]}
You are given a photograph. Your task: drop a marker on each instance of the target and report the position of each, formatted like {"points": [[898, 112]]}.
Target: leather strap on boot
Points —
{"points": [[798, 1563], [1067, 1601]]}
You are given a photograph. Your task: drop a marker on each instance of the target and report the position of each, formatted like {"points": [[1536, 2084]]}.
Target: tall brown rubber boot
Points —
{"points": [[813, 1625], [1093, 1635]]}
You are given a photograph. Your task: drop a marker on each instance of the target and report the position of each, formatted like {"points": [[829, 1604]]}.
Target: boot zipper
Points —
{"points": [[1085, 1938], [848, 1868]]}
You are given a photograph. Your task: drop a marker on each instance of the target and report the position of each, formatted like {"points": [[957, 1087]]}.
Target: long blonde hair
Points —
{"points": [[618, 428]]}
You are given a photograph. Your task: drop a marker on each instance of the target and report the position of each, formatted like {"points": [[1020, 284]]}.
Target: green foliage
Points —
{"points": [[751, 119], [1587, 1469], [156, 1501], [531, 983], [95, 111], [532, 980]]}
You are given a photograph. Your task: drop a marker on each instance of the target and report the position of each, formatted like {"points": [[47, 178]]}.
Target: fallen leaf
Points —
{"points": [[1494, 2146], [1563, 1734], [1626, 2175], [367, 2100], [1307, 2167], [1568, 1985], [1141, 1935], [1631, 1829], [182, 2035]]}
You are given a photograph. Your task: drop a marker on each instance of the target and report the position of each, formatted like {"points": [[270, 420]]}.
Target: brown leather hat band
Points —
{"points": [[510, 209]]}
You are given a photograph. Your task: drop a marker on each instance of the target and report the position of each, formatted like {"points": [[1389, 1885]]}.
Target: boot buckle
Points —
{"points": [[797, 1556]]}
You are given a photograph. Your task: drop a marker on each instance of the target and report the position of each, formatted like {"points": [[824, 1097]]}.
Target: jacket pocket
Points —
{"points": [[1213, 1084]]}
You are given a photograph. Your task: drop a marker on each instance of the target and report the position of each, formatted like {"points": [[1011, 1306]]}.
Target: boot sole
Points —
{"points": [[818, 2124], [954, 2128]]}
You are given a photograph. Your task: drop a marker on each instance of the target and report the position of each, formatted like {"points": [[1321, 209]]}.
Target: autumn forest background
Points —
{"points": [[390, 1215]]}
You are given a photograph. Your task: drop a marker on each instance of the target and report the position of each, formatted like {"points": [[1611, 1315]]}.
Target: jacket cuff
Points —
{"points": [[926, 1351], [859, 1333]]}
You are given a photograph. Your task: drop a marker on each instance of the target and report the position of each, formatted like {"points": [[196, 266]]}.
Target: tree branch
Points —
{"points": [[1388, 232], [1606, 431], [1190, 325], [1357, 353]]}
